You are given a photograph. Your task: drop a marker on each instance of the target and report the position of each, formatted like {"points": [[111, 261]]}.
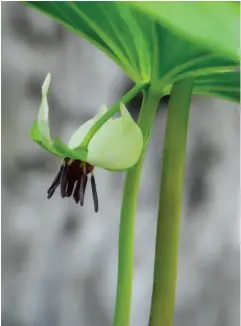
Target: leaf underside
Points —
{"points": [[215, 25], [146, 50]]}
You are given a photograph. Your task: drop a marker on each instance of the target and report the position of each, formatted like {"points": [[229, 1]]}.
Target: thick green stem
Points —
{"points": [[168, 225], [127, 219]]}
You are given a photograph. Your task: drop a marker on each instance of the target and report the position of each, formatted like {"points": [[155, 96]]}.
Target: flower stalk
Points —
{"points": [[168, 225], [115, 108]]}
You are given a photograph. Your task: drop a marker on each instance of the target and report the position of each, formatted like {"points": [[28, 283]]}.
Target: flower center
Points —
{"points": [[72, 178], [75, 169]]}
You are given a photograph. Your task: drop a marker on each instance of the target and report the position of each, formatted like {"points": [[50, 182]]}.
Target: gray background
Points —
{"points": [[59, 261]]}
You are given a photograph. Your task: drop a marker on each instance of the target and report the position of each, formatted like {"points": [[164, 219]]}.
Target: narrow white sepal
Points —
{"points": [[43, 116]]}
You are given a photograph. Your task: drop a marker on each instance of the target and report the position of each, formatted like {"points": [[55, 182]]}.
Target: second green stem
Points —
{"points": [[168, 224]]}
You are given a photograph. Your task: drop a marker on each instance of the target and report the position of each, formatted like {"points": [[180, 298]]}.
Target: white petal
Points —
{"points": [[78, 136], [102, 110], [125, 113], [117, 145], [46, 84], [43, 116]]}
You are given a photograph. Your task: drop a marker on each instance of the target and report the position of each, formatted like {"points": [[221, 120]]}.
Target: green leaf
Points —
{"points": [[177, 58], [224, 85], [212, 24], [147, 51], [110, 28]]}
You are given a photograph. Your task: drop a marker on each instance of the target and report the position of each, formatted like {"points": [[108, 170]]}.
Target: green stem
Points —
{"points": [[127, 219], [168, 225], [115, 108]]}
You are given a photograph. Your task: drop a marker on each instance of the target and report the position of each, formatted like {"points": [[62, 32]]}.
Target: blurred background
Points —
{"points": [[59, 261]]}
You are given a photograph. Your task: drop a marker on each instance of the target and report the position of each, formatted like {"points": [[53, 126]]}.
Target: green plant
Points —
{"points": [[165, 48]]}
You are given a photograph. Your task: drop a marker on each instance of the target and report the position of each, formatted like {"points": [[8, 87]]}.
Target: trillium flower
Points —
{"points": [[115, 146]]}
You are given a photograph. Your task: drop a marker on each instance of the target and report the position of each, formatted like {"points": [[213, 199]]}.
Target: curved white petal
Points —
{"points": [[43, 115], [102, 110], [125, 114], [78, 136], [117, 145]]}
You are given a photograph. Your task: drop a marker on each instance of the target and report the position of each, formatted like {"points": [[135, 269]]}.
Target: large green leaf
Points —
{"points": [[144, 49], [177, 58], [111, 28], [224, 85], [212, 24]]}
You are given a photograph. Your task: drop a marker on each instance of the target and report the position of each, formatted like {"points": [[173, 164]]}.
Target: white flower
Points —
{"points": [[116, 145]]}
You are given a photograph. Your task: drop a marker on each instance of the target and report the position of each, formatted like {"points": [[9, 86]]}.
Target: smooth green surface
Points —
{"points": [[170, 202], [127, 220], [213, 24], [111, 27], [132, 38], [225, 85]]}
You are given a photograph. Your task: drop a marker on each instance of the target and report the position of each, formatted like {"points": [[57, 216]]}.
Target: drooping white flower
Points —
{"points": [[116, 145]]}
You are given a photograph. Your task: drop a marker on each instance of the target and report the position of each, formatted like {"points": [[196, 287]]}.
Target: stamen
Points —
{"points": [[76, 194], [55, 183], [71, 183], [69, 161], [84, 168], [64, 180], [83, 184], [94, 192], [72, 178], [70, 188]]}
